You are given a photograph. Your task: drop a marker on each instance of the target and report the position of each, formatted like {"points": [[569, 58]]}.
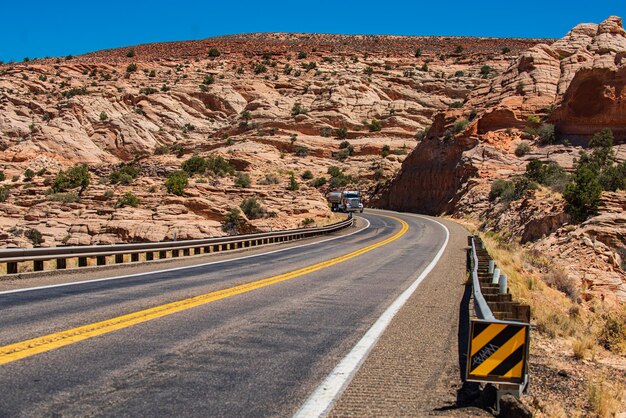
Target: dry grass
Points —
{"points": [[605, 396], [583, 346]]}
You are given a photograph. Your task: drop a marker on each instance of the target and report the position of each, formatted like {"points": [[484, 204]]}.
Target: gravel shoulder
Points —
{"points": [[414, 368]]}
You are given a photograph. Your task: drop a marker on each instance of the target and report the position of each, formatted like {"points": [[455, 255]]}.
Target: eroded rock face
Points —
{"points": [[576, 83], [270, 104]]}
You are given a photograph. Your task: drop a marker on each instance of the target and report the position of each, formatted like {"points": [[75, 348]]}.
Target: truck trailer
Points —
{"points": [[345, 201]]}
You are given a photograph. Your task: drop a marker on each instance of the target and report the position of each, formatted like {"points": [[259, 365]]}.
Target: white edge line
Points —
{"points": [[29, 289], [323, 398]]}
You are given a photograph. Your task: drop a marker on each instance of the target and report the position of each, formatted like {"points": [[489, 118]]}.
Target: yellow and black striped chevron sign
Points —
{"points": [[498, 351]]}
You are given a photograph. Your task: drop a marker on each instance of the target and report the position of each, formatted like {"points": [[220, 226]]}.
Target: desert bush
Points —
{"points": [[605, 398], [219, 166], [456, 105], [301, 151], [148, 91], [385, 150], [319, 182], [242, 180], [194, 165], [176, 182], [307, 175], [612, 335], [131, 68], [129, 199], [602, 145], [547, 133], [5, 192], [298, 109], [581, 347], [375, 126], [252, 208], [69, 197], [269, 179], [130, 53], [460, 125], [214, 52], [302, 55], [232, 221], [125, 174], [73, 177], [307, 222], [34, 236], [341, 133], [549, 174], [103, 116], [522, 149], [29, 174], [368, 71], [613, 177], [161, 150], [2, 176], [293, 183], [583, 194], [485, 71], [209, 79], [560, 280], [260, 68]]}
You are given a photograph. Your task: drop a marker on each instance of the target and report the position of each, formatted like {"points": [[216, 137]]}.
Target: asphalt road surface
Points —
{"points": [[255, 352]]}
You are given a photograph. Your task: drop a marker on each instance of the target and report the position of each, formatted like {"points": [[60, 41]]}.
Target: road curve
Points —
{"points": [[254, 353]]}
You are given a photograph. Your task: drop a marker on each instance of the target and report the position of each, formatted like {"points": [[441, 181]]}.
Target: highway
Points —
{"points": [[250, 336]]}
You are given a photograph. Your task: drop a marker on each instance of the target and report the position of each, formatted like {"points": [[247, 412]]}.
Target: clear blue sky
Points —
{"points": [[57, 28]]}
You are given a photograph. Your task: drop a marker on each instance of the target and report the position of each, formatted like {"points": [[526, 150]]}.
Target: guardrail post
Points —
{"points": [[503, 284], [82, 261], [61, 263], [38, 265], [12, 267], [101, 260], [134, 257], [119, 258], [491, 266], [496, 276]]}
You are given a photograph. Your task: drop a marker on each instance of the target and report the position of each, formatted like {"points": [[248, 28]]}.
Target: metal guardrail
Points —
{"points": [[482, 309], [13, 256]]}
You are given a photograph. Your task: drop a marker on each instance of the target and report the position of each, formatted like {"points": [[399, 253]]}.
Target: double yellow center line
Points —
{"points": [[45, 343]]}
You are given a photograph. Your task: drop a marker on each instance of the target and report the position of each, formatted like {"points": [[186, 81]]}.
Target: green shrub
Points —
{"points": [[460, 125], [613, 332], [242, 180], [307, 222], [613, 178], [219, 166], [73, 177], [269, 179], [131, 68], [341, 133], [511, 190], [500, 188], [209, 79], [302, 55], [368, 71], [375, 126], [549, 174], [103, 116], [260, 68], [547, 133], [77, 91], [148, 91], [418, 52], [29, 174], [386, 150], [129, 199], [307, 175], [301, 151], [485, 70], [522, 149], [534, 119], [456, 105], [69, 197], [319, 182], [176, 182], [298, 109], [152, 74], [583, 194], [2, 176], [602, 145], [214, 52], [161, 150], [130, 53], [34, 236], [194, 165], [232, 221], [293, 184], [125, 174], [252, 208], [5, 192]]}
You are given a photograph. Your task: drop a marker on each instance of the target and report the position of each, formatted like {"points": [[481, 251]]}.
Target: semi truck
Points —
{"points": [[345, 201]]}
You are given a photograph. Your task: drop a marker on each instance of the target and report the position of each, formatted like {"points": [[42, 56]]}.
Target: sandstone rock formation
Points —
{"points": [[577, 84], [271, 104]]}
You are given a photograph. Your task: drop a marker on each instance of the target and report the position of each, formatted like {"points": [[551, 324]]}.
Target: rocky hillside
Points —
{"points": [[546, 105], [272, 105]]}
